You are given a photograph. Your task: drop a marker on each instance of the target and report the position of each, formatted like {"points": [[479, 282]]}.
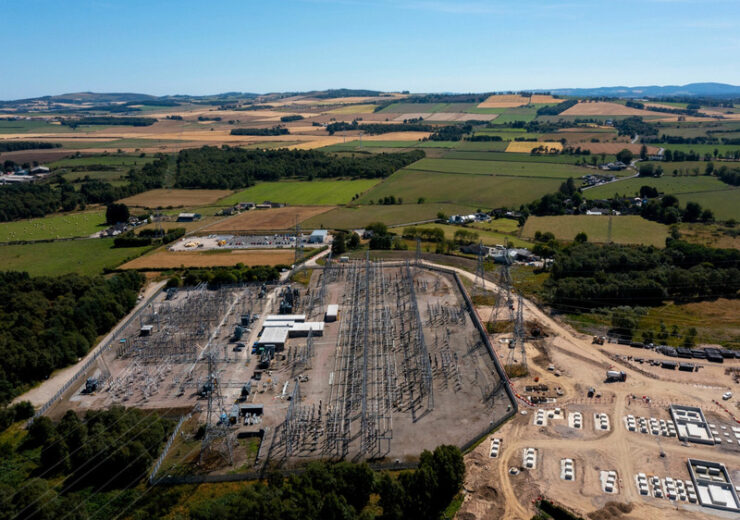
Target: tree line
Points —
{"points": [[230, 168], [275, 130], [377, 128], [215, 277], [553, 110], [50, 322], [109, 120], [14, 146]]}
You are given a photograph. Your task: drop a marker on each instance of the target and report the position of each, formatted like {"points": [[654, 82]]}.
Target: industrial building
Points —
{"points": [[714, 485], [274, 336], [332, 312], [188, 217], [318, 236], [691, 424]]}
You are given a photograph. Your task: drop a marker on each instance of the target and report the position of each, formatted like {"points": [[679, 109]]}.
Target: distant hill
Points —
{"points": [[692, 89]]}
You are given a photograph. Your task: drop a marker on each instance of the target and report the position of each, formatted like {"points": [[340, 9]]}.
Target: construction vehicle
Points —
{"points": [[599, 340]]}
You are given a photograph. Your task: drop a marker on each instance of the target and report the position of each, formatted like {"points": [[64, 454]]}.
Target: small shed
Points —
{"points": [[332, 312]]}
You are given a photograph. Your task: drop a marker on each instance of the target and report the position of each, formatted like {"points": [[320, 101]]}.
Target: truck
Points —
{"points": [[615, 376], [598, 340]]}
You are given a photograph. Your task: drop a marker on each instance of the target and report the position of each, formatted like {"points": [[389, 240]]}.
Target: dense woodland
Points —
{"points": [[49, 323], [84, 469], [230, 168], [587, 275], [378, 128], [79, 468], [109, 120]]}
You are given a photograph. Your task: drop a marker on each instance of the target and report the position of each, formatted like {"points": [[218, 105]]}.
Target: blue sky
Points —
{"points": [[205, 47]]}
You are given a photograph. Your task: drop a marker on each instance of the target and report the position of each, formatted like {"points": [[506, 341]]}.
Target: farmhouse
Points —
{"points": [[188, 217], [40, 170]]}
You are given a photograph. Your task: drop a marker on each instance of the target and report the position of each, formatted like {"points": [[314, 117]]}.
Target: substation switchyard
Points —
{"points": [[364, 360]]}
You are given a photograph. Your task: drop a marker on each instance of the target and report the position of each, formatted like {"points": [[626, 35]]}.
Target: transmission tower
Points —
{"points": [[218, 437], [298, 243], [480, 271], [418, 250]]}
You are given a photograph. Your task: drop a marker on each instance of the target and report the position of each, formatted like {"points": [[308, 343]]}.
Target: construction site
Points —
{"points": [[363, 361], [605, 430]]}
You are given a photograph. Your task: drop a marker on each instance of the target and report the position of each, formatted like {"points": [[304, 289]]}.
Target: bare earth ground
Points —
{"points": [[494, 493], [504, 101], [162, 198], [268, 219], [173, 260]]}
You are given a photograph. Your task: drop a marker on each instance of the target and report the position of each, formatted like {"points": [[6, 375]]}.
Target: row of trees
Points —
{"points": [[109, 120], [217, 276], [50, 322], [148, 237], [553, 110], [377, 128], [229, 168], [14, 146], [275, 130]]}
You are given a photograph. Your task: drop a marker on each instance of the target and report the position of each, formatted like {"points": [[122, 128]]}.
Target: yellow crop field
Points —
{"points": [[504, 101], [528, 146], [354, 109]]}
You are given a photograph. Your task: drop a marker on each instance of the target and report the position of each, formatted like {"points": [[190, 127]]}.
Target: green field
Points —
{"points": [[119, 143], [479, 191], [360, 216], [53, 226], [89, 256], [403, 108], [504, 168], [482, 146], [33, 126], [515, 157], [666, 184], [725, 203], [626, 229], [305, 193], [703, 148], [108, 160], [489, 238], [516, 114], [114, 177]]}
